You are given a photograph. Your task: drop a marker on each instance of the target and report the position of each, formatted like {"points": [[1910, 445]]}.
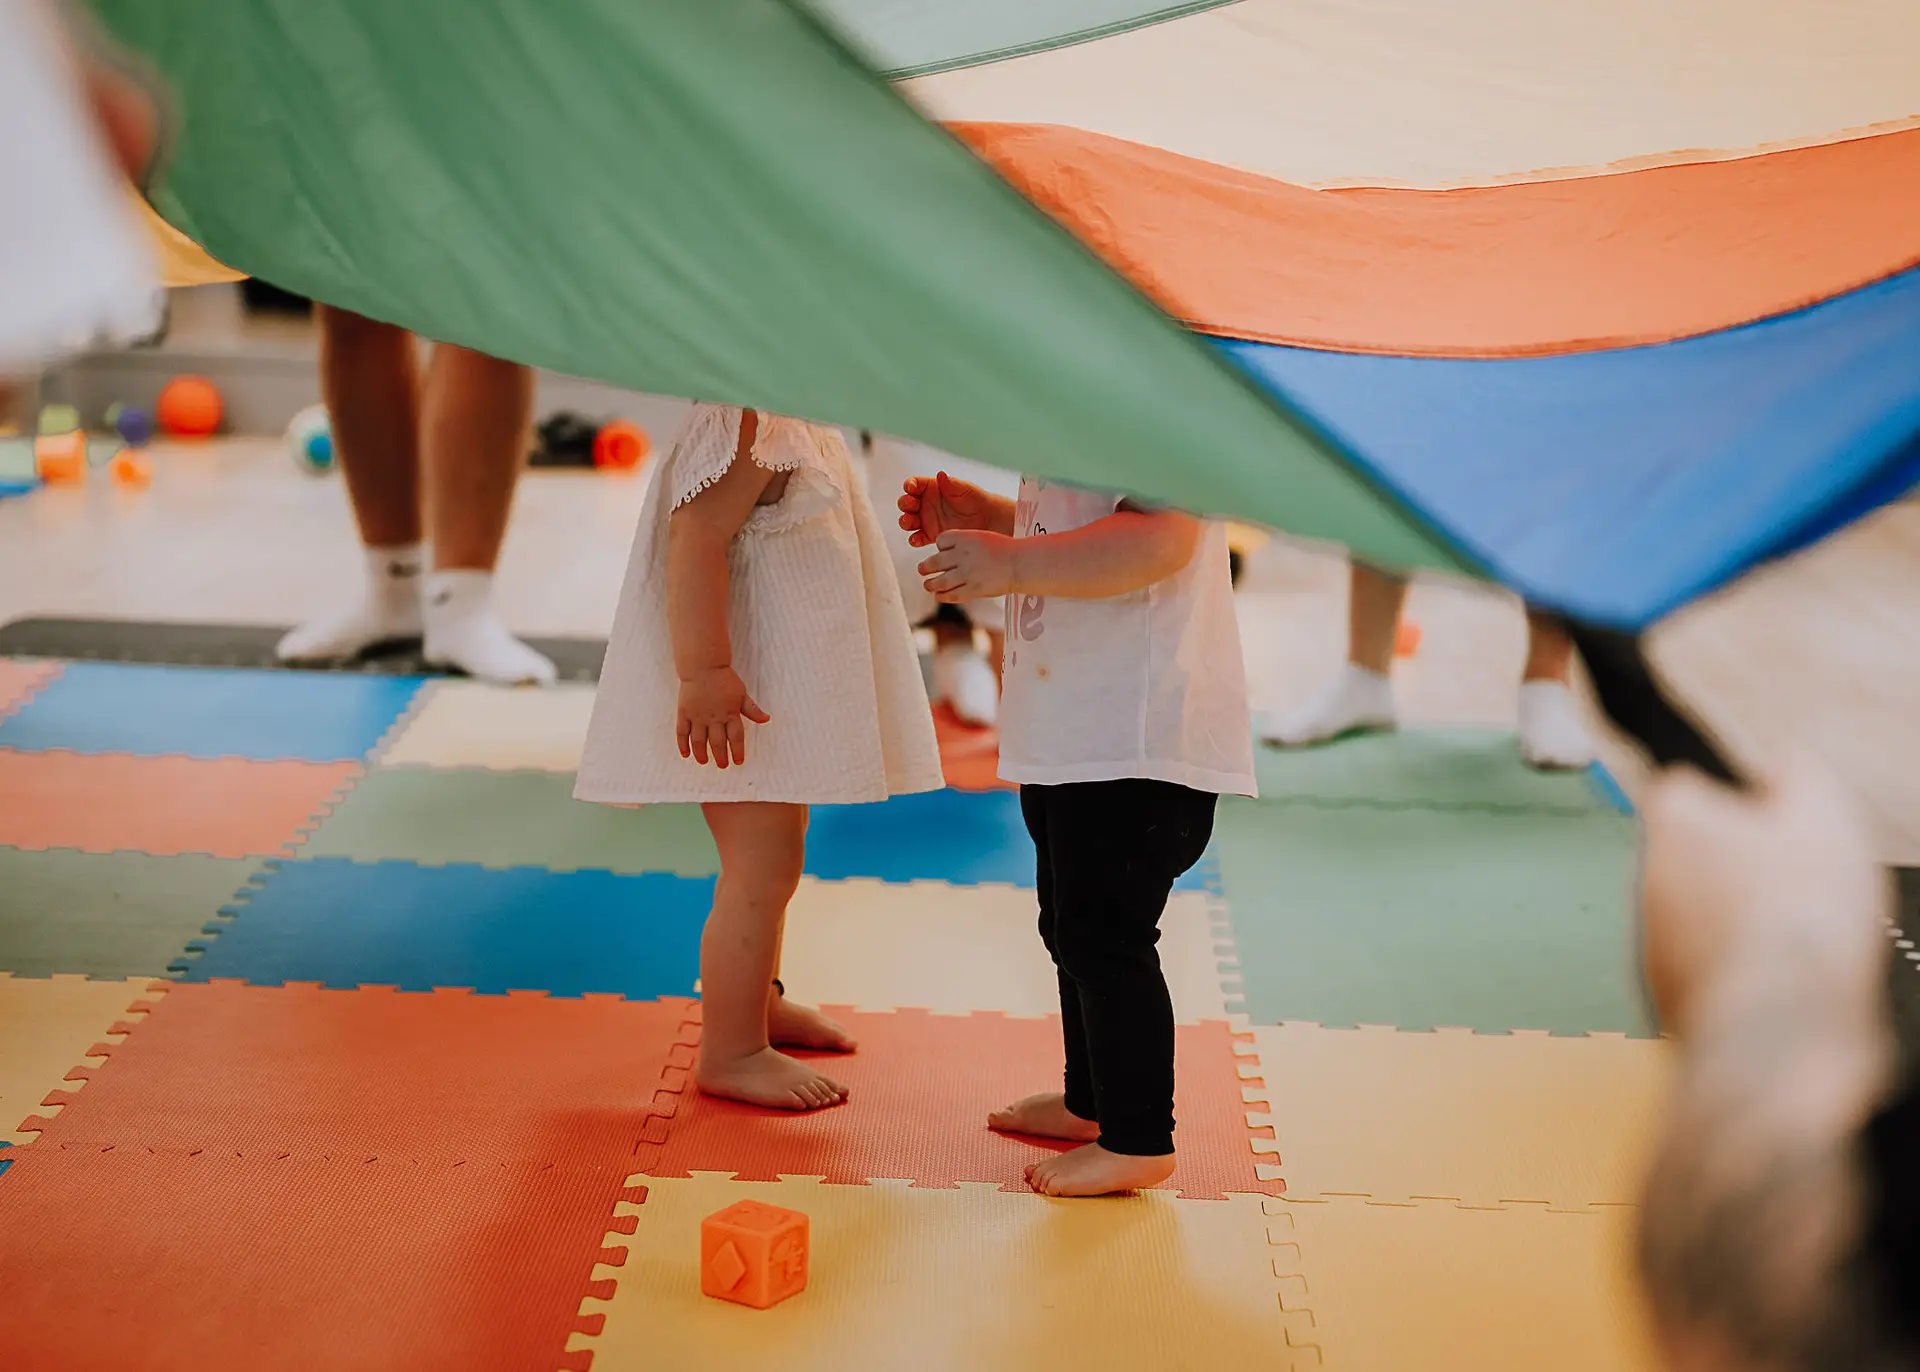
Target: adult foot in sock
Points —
{"points": [[388, 611], [1358, 701], [1552, 737], [462, 631], [965, 680]]}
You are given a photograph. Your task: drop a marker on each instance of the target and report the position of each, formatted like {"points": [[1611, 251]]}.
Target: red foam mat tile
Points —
{"points": [[921, 1086], [107, 802], [969, 756], [144, 1262], [19, 681], [442, 1077]]}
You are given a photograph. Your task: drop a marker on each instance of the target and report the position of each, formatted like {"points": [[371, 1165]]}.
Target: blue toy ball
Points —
{"points": [[310, 439], [131, 423]]}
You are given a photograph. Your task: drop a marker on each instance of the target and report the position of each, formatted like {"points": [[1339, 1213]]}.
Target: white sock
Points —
{"points": [[1552, 736], [965, 680], [464, 632], [1357, 701], [388, 608]]}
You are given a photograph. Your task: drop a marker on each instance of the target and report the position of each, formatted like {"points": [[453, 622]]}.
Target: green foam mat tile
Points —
{"points": [[1427, 918], [1437, 768], [108, 915], [433, 815]]}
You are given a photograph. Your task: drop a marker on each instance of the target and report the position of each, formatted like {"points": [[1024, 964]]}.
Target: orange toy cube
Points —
{"points": [[753, 1253], [130, 468], [61, 458]]}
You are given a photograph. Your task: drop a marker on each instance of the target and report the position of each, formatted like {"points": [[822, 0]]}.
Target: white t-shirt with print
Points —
{"points": [[1147, 684]]}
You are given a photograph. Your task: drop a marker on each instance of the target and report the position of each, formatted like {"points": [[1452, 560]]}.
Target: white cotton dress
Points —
{"points": [[819, 638]]}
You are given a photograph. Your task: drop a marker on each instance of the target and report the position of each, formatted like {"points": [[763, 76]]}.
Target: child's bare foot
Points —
{"points": [[771, 1079], [802, 1026], [1046, 1115], [1093, 1171]]}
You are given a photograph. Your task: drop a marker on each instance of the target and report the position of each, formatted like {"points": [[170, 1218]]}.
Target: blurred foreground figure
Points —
{"points": [[73, 263], [1779, 1230]]}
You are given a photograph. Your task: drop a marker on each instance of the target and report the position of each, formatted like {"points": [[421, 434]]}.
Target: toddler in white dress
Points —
{"points": [[760, 662]]}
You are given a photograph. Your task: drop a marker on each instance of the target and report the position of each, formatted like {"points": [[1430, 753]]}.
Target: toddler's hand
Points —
{"points": [[712, 704], [970, 565], [931, 505]]}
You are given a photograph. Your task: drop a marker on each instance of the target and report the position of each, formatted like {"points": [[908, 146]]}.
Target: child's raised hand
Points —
{"points": [[931, 505], [971, 564], [712, 704]]}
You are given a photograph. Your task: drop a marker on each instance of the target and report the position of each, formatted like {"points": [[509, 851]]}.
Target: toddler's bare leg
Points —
{"points": [[792, 1025], [761, 850]]}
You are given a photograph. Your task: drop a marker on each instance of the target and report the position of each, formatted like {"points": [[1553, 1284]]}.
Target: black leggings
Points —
{"points": [[1109, 853]]}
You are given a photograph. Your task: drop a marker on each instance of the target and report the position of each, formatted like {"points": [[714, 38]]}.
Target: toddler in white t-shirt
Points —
{"points": [[1123, 719]]}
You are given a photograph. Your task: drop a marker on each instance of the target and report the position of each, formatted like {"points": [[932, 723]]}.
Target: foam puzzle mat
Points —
{"points": [[324, 1008]]}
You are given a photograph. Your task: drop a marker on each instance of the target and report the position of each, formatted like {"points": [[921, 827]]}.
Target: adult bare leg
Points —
{"points": [[475, 421], [1360, 699], [369, 376]]}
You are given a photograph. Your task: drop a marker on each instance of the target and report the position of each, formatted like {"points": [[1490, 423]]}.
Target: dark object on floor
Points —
{"points": [[241, 645], [564, 439], [263, 298], [1905, 974]]}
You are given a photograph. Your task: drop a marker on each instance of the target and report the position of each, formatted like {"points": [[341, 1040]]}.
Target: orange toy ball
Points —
{"points": [[189, 407], [1406, 639], [620, 446]]}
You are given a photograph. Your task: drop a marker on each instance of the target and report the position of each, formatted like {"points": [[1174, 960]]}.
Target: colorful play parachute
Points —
{"points": [[1609, 302]]}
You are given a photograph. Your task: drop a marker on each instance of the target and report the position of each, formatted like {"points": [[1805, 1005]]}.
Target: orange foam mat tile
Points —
{"points": [[161, 1262], [21, 680], [921, 1087], [109, 802], [954, 949], [1485, 1119], [1436, 1285], [428, 1077], [962, 1280], [48, 1029], [474, 724]]}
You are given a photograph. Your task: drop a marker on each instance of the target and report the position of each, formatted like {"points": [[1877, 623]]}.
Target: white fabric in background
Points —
{"points": [[1414, 92]]}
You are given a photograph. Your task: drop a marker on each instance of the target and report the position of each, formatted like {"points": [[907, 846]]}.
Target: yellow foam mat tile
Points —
{"points": [[472, 724], [1479, 1118], [968, 1279], [955, 949], [1393, 1288], [47, 1027]]}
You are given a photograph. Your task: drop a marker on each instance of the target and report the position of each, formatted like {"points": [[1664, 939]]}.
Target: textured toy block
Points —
{"points": [[61, 457], [130, 468], [753, 1253]]}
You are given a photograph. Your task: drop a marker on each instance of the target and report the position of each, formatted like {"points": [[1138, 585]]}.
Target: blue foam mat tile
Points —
{"points": [[110, 707], [343, 923], [1608, 789], [962, 838]]}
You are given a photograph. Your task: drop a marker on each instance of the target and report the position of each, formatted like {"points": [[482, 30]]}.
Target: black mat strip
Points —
{"points": [[241, 645], [1905, 974]]}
